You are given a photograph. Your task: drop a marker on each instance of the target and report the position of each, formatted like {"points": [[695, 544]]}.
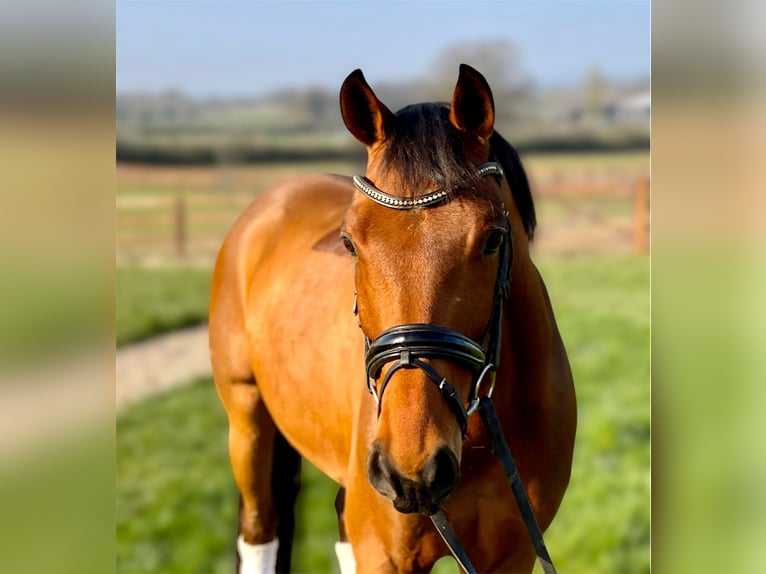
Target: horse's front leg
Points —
{"points": [[385, 540], [343, 549], [370, 550], [251, 450]]}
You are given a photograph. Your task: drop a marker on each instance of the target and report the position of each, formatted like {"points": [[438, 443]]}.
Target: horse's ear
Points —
{"points": [[364, 114], [473, 109]]}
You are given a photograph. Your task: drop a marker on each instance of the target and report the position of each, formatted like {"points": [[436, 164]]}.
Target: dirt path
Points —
{"points": [[161, 363]]}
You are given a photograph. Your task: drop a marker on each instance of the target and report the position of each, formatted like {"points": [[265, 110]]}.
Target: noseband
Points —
{"points": [[407, 345]]}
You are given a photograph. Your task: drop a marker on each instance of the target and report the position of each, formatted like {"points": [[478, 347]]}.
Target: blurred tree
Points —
{"points": [[595, 94], [499, 61], [321, 107]]}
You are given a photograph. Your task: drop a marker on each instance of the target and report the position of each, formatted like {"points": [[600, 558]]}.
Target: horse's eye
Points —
{"points": [[493, 242], [348, 244]]}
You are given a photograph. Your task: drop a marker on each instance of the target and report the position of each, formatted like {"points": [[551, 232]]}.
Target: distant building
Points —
{"points": [[630, 110], [620, 110]]}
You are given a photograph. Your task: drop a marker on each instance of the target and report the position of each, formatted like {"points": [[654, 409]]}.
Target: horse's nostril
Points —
{"points": [[436, 480], [380, 474], [442, 474]]}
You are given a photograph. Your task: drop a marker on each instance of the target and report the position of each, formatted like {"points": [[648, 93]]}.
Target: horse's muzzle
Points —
{"points": [[425, 493]]}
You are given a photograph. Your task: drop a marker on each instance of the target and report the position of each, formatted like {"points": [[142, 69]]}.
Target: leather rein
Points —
{"points": [[406, 346]]}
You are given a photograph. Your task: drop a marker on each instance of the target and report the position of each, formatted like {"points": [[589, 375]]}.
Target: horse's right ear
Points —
{"points": [[364, 114], [473, 109]]}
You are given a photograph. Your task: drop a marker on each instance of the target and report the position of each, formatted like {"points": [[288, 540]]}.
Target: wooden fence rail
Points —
{"points": [[204, 218], [641, 215]]}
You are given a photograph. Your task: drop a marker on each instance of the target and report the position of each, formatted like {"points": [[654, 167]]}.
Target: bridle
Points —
{"points": [[406, 345]]}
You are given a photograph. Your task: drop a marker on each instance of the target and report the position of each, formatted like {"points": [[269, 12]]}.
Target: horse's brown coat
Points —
{"points": [[287, 351]]}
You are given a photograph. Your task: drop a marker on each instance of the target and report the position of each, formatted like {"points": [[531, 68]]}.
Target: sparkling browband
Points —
{"points": [[366, 187]]}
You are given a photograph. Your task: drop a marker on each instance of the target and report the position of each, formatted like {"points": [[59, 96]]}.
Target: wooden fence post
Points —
{"points": [[179, 227], [641, 214]]}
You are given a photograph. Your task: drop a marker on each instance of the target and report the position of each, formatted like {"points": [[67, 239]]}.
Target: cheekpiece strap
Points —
{"points": [[366, 187]]}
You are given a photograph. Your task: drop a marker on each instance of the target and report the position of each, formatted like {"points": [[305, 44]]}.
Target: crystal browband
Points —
{"points": [[366, 187]]}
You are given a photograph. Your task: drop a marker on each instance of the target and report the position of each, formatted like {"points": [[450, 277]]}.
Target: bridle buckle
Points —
{"points": [[474, 402]]}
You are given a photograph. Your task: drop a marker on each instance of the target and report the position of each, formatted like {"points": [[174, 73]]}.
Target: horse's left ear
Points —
{"points": [[364, 114], [473, 108]]}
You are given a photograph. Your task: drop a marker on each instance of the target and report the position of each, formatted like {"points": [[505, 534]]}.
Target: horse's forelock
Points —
{"points": [[425, 149]]}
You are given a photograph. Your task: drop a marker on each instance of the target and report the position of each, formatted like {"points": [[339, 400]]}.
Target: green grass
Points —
{"points": [[176, 499], [175, 509], [154, 301], [602, 306]]}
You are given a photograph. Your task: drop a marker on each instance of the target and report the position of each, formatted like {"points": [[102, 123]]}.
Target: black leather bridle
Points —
{"points": [[407, 345]]}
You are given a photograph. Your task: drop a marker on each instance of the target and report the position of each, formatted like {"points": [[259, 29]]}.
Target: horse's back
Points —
{"points": [[281, 281]]}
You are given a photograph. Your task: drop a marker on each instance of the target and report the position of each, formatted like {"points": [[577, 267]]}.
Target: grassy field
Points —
{"points": [[154, 301], [176, 499]]}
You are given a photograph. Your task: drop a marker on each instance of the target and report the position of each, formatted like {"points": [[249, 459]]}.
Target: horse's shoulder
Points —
{"points": [[317, 200], [315, 187], [289, 198]]}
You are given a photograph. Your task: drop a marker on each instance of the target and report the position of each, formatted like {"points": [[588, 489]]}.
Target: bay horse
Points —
{"points": [[317, 283]]}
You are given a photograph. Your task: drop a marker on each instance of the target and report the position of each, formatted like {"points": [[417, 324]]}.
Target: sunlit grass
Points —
{"points": [[154, 301], [602, 306]]}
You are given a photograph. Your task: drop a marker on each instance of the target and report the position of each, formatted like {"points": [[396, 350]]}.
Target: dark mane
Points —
{"points": [[425, 149], [510, 161]]}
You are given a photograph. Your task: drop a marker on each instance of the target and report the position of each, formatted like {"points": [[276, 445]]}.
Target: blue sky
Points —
{"points": [[246, 48]]}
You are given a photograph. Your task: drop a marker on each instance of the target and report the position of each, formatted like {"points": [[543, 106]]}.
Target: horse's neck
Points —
{"points": [[529, 330]]}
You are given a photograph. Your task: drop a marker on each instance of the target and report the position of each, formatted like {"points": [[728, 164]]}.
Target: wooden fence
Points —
{"points": [[175, 225], [193, 224], [635, 189]]}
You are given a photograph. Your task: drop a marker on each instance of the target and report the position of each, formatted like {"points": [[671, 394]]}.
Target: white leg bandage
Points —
{"points": [[257, 558], [345, 557]]}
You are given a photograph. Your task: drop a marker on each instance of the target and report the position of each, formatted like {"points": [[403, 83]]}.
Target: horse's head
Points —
{"points": [[430, 236]]}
